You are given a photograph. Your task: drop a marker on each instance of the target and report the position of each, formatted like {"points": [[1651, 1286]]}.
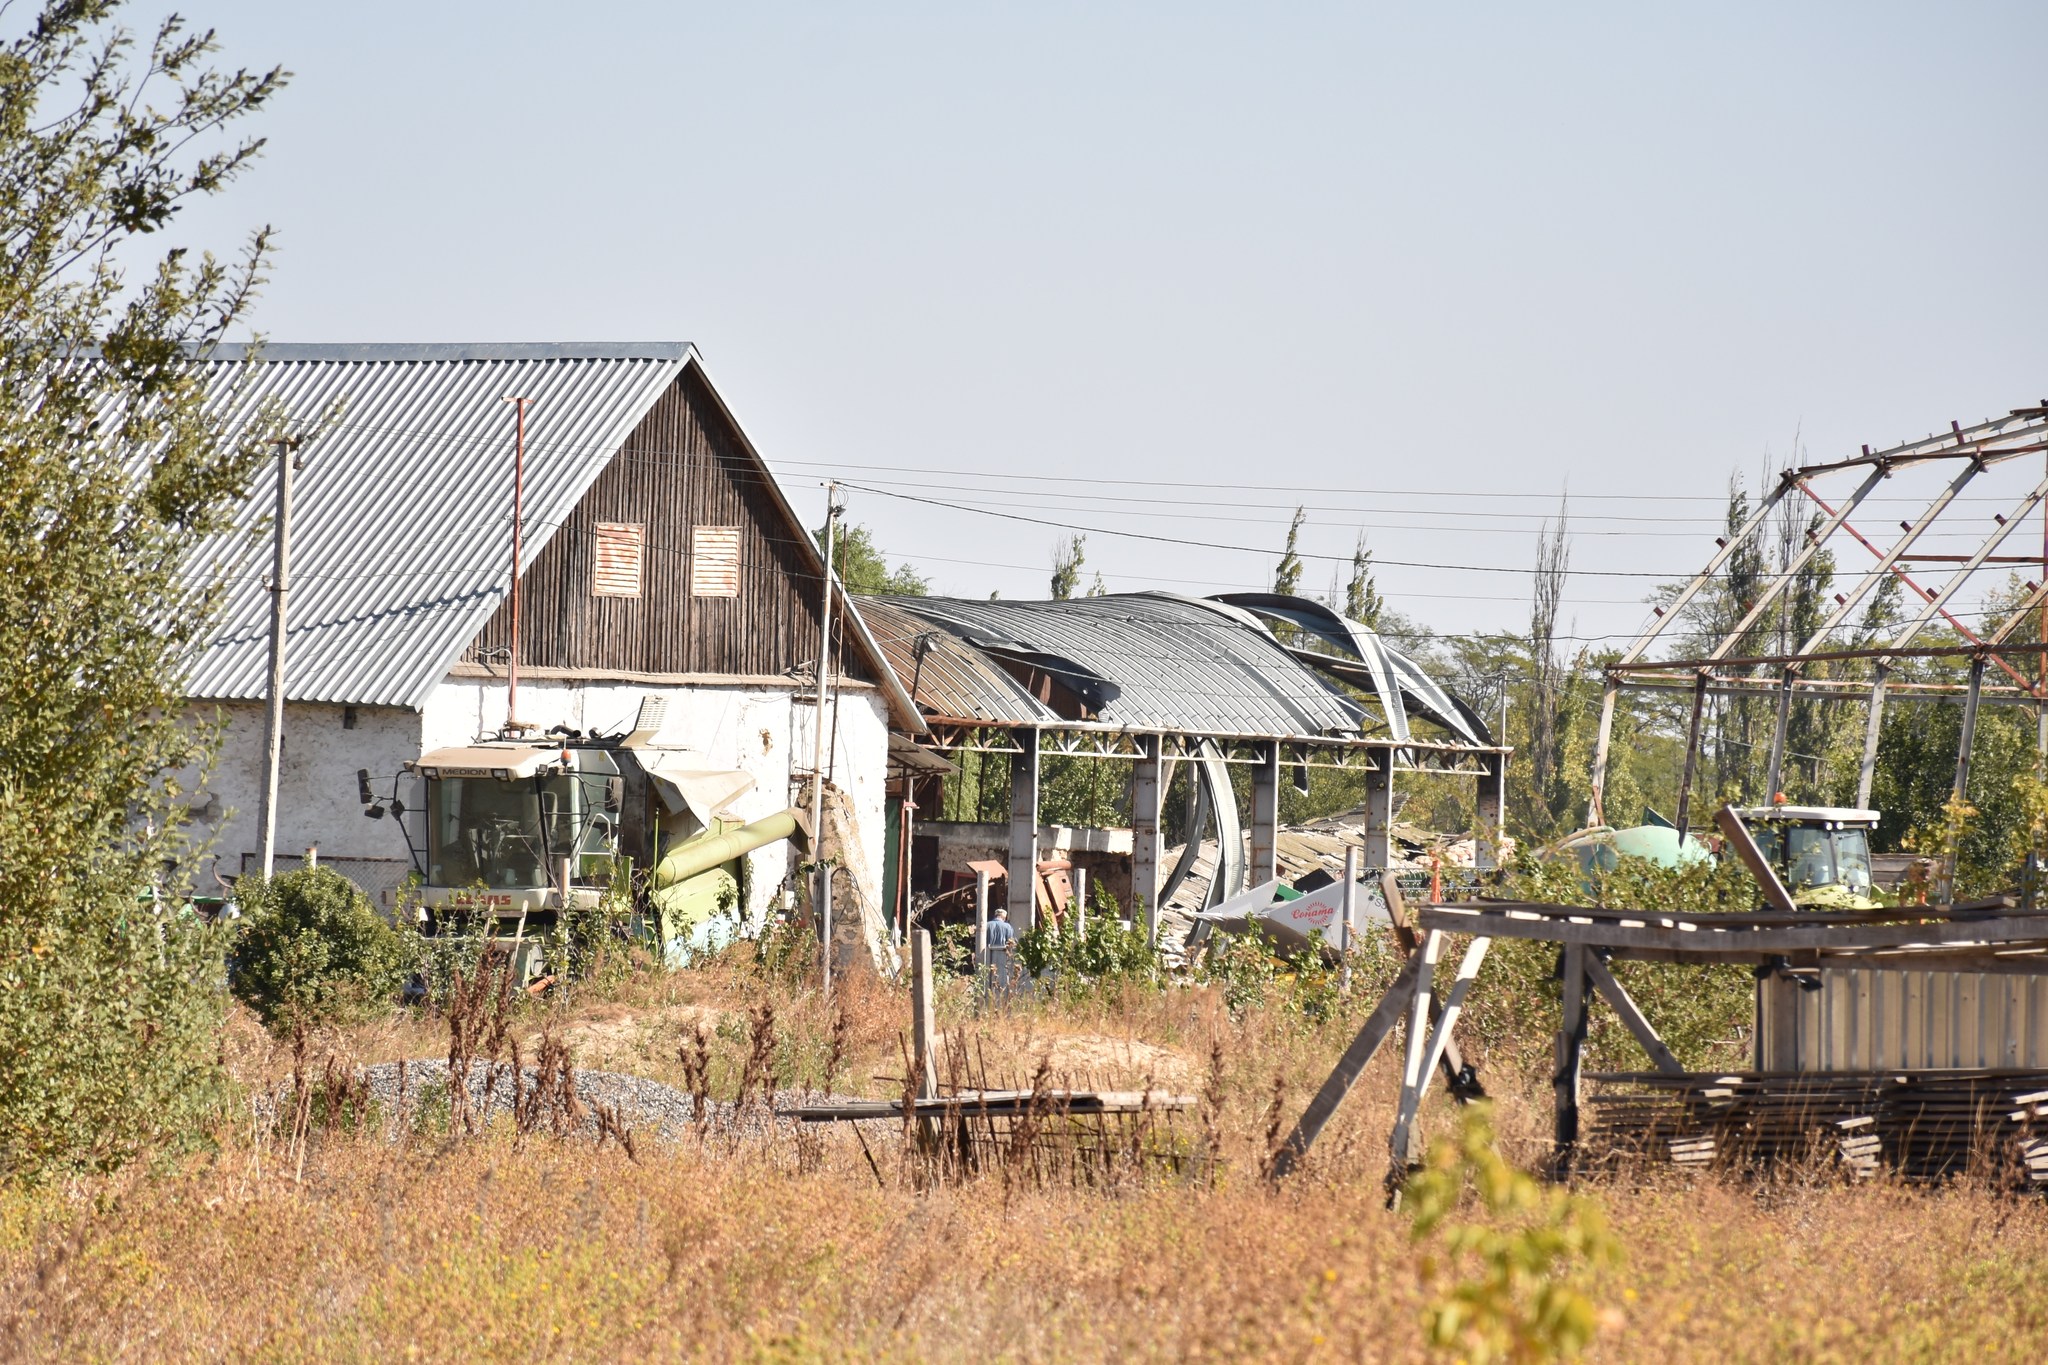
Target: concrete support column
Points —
{"points": [[1379, 809], [1147, 793], [1492, 802], [1265, 814], [1023, 879]]}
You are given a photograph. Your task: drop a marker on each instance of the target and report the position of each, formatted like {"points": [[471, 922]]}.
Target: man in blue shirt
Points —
{"points": [[998, 941]]}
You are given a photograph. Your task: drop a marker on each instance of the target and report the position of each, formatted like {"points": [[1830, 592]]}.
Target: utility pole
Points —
{"points": [[273, 738], [518, 526], [821, 899]]}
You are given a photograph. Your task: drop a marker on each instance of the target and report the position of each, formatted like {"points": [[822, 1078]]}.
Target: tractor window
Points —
{"points": [[1770, 841], [1809, 858], [1852, 859]]}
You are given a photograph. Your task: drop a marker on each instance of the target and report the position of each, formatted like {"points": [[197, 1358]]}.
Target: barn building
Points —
{"points": [[659, 558]]}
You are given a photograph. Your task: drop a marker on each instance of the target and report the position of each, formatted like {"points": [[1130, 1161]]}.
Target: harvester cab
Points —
{"points": [[519, 829], [1820, 853]]}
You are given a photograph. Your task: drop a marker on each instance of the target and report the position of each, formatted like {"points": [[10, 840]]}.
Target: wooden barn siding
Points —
{"points": [[681, 467]]}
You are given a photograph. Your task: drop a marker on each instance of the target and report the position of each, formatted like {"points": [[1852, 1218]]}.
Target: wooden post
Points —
{"points": [[1266, 814], [923, 1029], [1571, 1046], [980, 933], [1022, 893], [1147, 791], [1692, 752], [1412, 1069], [1453, 1060], [1624, 1005]]}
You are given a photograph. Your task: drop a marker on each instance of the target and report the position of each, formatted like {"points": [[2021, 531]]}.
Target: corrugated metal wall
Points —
{"points": [[1864, 1019], [681, 468]]}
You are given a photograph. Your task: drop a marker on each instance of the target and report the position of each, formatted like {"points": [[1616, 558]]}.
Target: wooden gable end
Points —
{"points": [[683, 514]]}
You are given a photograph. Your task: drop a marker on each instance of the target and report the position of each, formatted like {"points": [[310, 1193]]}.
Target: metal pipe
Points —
{"points": [[273, 728], [824, 669], [701, 855]]}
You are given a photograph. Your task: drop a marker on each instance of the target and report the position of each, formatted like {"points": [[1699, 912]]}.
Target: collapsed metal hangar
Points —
{"points": [[1256, 679]]}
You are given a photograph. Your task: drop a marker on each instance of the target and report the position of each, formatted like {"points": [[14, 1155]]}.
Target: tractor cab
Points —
{"points": [[1820, 853]]}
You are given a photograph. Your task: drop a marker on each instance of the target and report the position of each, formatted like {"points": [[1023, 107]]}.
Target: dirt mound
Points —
{"points": [[623, 1034]]}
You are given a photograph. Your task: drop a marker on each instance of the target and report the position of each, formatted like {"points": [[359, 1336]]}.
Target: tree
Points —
{"points": [[112, 472], [1548, 667], [1066, 566], [1287, 576], [1362, 600], [862, 569]]}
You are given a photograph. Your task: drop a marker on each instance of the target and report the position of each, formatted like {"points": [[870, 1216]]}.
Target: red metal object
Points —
{"points": [[1907, 579], [518, 526]]}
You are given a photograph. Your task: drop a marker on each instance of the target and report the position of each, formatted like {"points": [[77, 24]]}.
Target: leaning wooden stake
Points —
{"points": [[1349, 1068], [1462, 1084]]}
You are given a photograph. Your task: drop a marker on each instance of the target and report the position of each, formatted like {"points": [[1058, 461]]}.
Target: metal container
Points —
{"points": [[1886, 1019]]}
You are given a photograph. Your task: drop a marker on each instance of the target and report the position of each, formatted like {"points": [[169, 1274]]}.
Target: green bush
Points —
{"points": [[312, 950], [1101, 952]]}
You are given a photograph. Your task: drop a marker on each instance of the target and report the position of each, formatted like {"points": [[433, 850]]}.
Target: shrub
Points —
{"points": [[1513, 1283], [313, 950]]}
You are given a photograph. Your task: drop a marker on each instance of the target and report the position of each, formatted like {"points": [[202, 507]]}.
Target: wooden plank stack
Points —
{"points": [[1922, 1125]]}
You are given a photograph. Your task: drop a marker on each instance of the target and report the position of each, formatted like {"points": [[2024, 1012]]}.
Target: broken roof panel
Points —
{"points": [[943, 674], [1146, 661]]}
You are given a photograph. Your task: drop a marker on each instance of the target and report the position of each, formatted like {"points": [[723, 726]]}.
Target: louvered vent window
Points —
{"points": [[621, 547], [715, 561]]}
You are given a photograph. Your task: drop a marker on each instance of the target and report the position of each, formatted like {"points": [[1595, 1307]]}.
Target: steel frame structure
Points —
{"points": [[1154, 754], [1723, 672]]}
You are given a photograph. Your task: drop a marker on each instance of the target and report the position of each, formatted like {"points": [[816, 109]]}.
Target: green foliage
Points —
{"points": [[1703, 1014], [1067, 558], [787, 950], [1513, 1284], [1252, 974], [311, 950], [862, 568], [1103, 952], [1287, 574], [111, 470], [1362, 600]]}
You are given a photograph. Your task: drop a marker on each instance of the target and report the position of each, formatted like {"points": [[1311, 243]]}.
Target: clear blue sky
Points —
{"points": [[1475, 253]]}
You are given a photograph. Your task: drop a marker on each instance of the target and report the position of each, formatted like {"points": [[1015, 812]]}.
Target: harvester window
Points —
{"points": [[491, 831], [1809, 857]]}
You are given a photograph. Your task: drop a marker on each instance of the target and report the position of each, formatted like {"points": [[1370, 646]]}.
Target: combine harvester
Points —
{"points": [[517, 829]]}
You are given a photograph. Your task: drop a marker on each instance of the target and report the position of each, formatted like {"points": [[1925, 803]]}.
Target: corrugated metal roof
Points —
{"points": [[1147, 661], [401, 516], [943, 674]]}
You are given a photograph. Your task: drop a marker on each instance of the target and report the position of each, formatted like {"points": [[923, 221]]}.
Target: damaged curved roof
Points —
{"points": [[1148, 661]]}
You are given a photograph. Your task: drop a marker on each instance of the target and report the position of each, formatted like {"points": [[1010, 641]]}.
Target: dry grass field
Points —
{"points": [[780, 1245]]}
